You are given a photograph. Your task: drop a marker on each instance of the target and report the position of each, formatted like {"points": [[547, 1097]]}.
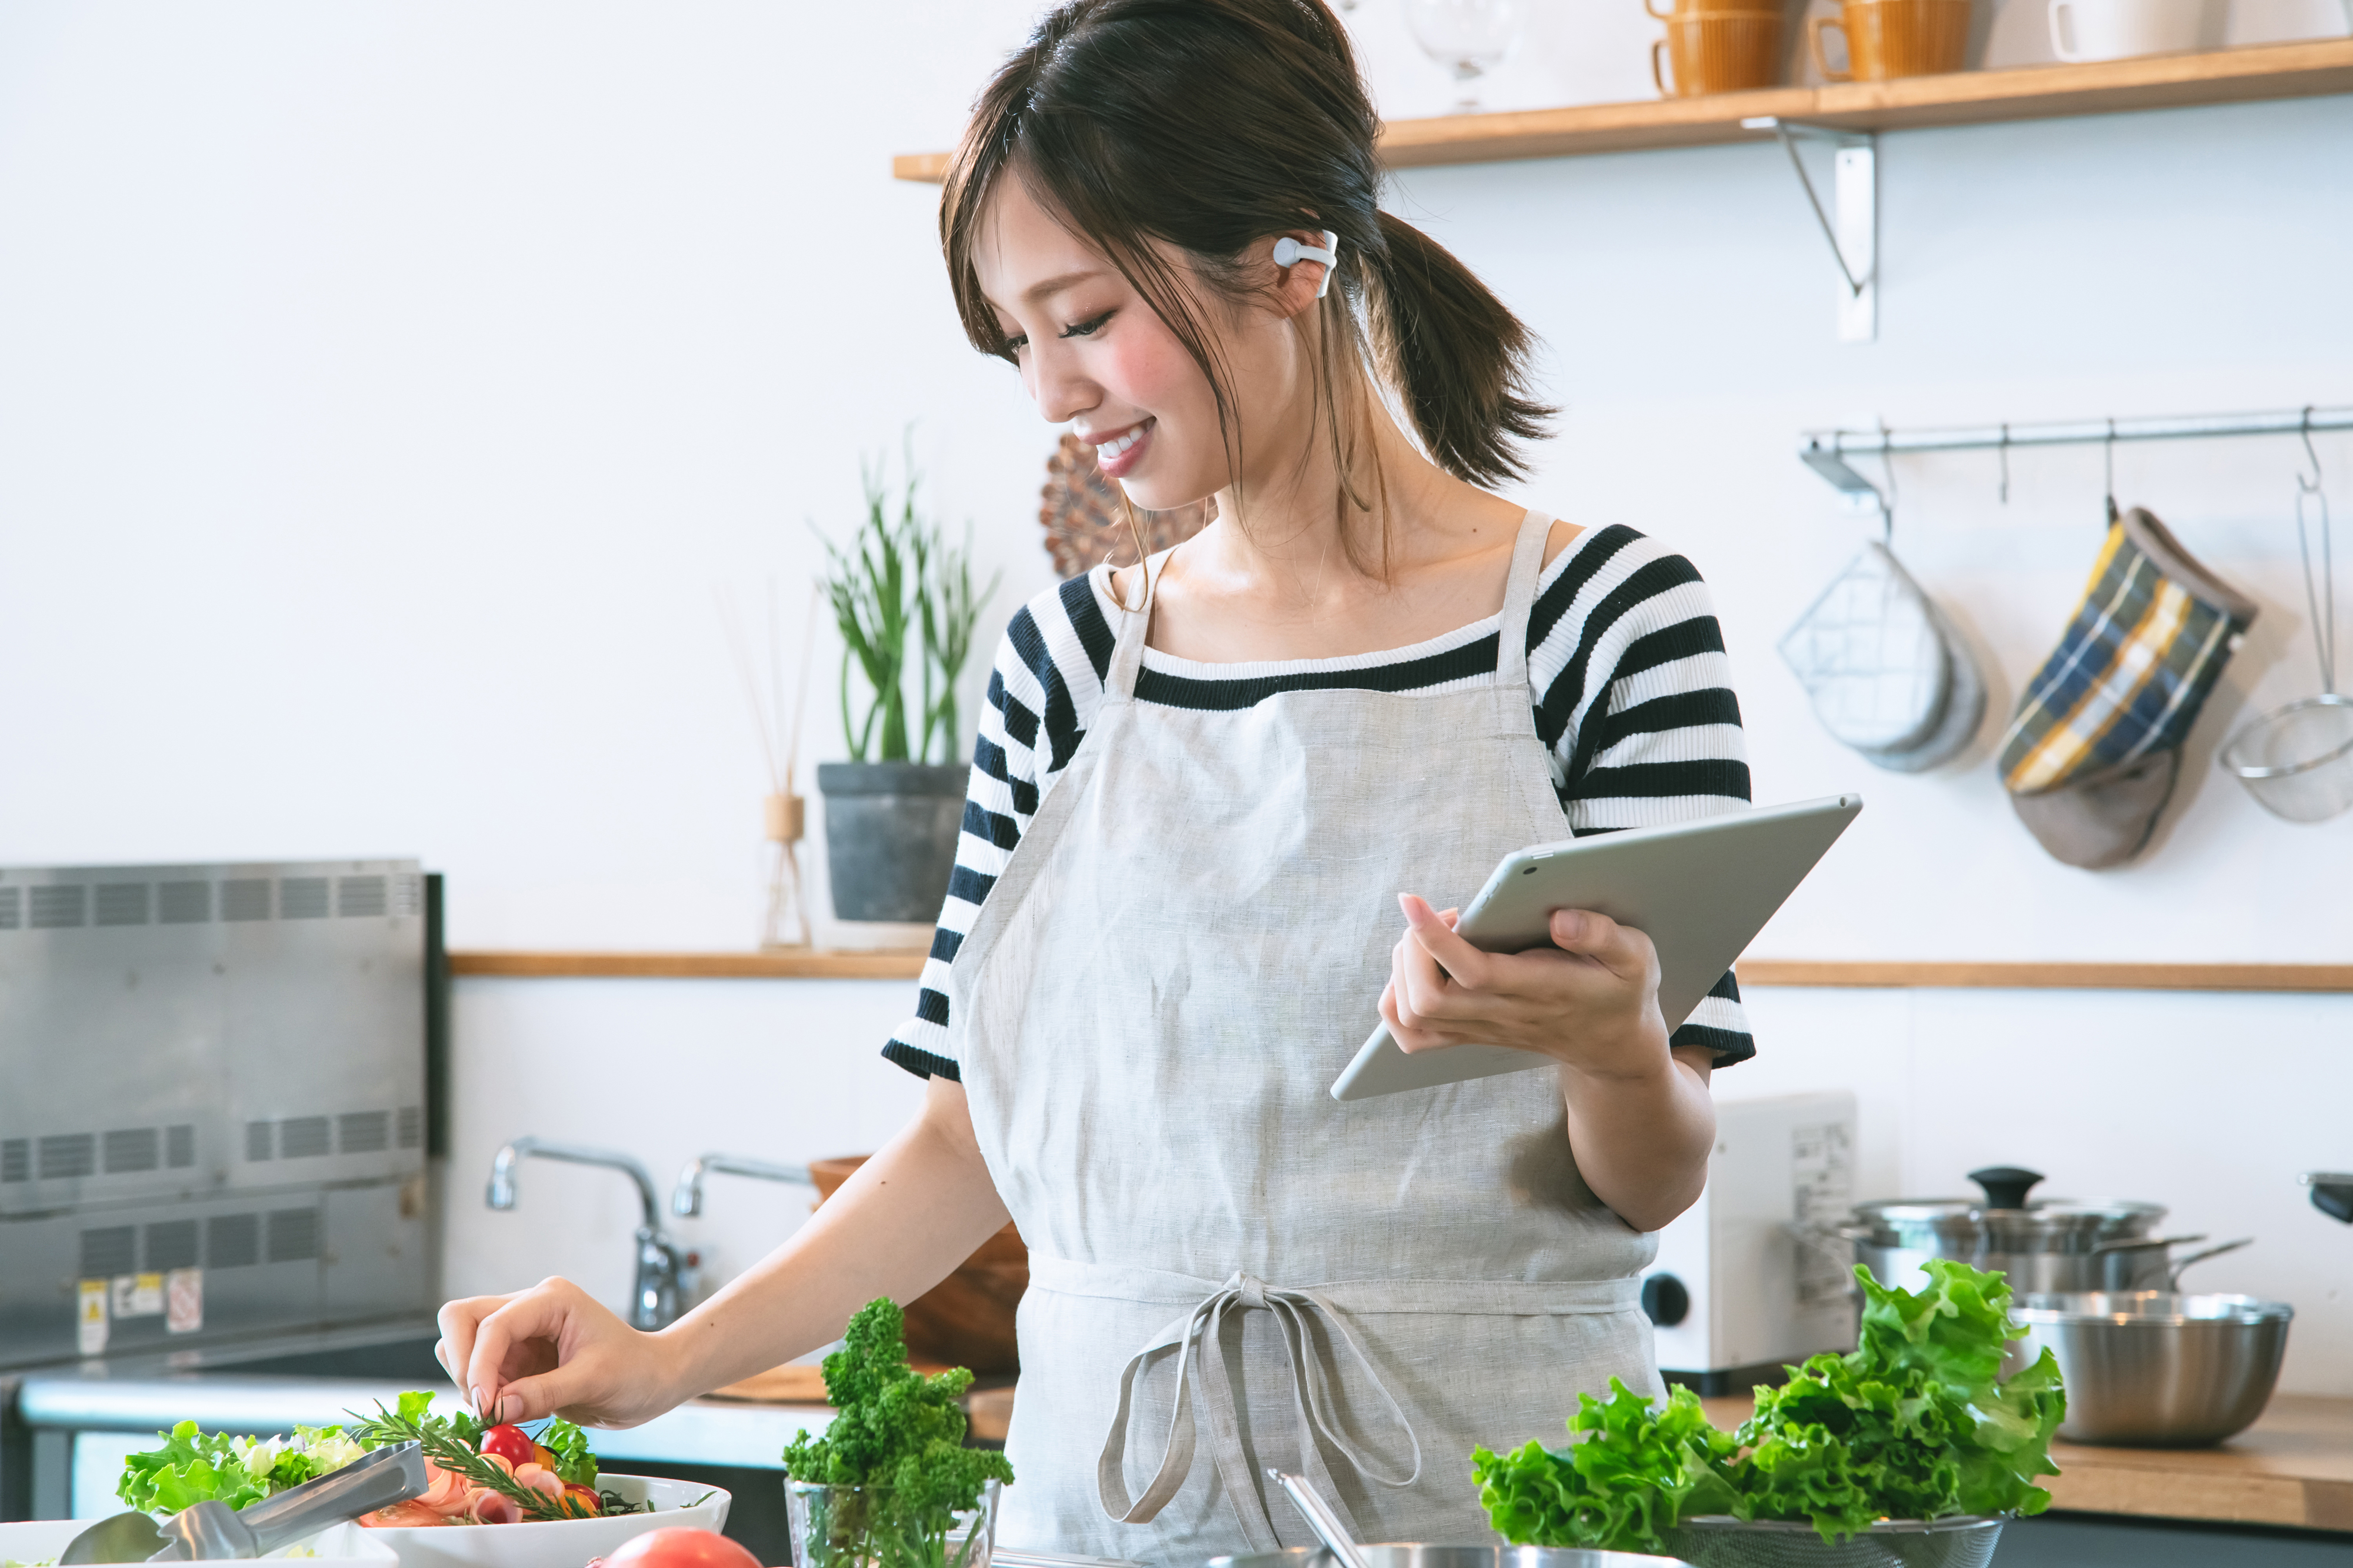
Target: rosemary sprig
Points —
{"points": [[449, 1451]]}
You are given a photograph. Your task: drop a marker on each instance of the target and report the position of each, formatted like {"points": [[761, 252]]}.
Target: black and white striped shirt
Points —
{"points": [[1627, 675]]}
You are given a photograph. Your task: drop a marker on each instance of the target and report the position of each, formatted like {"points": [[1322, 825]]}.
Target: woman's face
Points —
{"points": [[1094, 354]]}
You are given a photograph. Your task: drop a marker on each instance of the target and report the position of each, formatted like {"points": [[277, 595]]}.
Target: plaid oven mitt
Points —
{"points": [[2091, 756]]}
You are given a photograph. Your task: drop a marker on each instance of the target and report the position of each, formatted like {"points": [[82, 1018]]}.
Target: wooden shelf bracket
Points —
{"points": [[1853, 232]]}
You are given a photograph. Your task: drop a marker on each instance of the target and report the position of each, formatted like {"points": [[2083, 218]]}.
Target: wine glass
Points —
{"points": [[1467, 37]]}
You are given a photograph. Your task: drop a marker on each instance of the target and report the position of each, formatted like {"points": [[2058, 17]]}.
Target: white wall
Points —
{"points": [[384, 388]]}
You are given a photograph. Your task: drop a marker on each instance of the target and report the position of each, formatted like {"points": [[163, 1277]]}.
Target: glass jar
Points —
{"points": [[854, 1527]]}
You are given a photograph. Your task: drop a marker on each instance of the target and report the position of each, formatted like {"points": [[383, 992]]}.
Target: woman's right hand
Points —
{"points": [[554, 1350]]}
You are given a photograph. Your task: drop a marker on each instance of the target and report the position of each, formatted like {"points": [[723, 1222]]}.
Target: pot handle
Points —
{"points": [[2173, 1275], [2107, 1246], [2005, 1186]]}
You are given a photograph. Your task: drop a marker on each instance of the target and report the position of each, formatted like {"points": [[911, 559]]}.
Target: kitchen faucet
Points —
{"points": [[687, 1201], [653, 1298]]}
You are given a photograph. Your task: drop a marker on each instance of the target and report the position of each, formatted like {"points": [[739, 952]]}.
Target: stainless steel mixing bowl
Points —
{"points": [[2145, 1369], [1417, 1555]]}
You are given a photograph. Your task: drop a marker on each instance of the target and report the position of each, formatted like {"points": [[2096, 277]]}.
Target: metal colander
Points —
{"points": [[1723, 1543]]}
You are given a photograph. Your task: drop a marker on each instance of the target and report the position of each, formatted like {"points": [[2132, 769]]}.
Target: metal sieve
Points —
{"points": [[1719, 1542]]}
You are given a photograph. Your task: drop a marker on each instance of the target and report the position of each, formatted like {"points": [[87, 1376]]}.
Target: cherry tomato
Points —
{"points": [[583, 1501], [679, 1547], [509, 1443], [543, 1456]]}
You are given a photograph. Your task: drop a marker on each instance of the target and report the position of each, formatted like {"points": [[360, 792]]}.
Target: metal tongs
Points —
{"points": [[1320, 1518], [213, 1529]]}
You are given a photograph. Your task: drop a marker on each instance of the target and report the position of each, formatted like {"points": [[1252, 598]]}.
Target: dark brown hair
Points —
{"points": [[1208, 125]]}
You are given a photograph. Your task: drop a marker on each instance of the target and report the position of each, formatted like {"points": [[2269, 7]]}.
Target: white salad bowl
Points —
{"points": [[562, 1542], [36, 1542]]}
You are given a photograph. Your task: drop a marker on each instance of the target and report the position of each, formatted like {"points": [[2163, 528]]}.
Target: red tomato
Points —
{"points": [[679, 1547], [512, 1444], [583, 1501]]}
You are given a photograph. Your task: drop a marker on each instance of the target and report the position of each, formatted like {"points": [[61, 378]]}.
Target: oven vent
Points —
{"points": [[293, 1235], [171, 1244], [359, 896], [130, 1149], [407, 894], [69, 1154], [60, 906], [122, 903], [412, 1126], [107, 1252], [364, 1131], [301, 1137], [302, 899], [233, 1241], [16, 1159], [184, 903], [12, 909]]}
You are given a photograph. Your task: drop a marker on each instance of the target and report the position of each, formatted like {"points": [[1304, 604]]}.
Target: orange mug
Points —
{"points": [[1717, 51], [1888, 39]]}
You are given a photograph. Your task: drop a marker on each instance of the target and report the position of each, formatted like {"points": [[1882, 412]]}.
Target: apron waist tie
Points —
{"points": [[1193, 1337]]}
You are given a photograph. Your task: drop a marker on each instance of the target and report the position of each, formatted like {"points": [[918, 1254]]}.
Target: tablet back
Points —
{"points": [[1700, 891]]}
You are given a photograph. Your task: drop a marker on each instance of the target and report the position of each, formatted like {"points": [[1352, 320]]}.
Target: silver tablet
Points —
{"points": [[1701, 891]]}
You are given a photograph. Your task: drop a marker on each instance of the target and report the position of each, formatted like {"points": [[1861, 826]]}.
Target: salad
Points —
{"points": [[481, 1475], [1915, 1423]]}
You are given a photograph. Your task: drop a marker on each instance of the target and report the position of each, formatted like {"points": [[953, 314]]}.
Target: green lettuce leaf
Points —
{"points": [[1640, 1472], [574, 1463]]}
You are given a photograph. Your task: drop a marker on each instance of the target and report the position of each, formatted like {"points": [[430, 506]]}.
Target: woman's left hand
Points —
{"points": [[1591, 1001]]}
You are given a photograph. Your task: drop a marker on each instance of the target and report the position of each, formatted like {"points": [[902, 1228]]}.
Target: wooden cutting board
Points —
{"points": [[792, 1384]]}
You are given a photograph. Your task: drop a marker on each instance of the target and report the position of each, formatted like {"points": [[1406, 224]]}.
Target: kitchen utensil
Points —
{"points": [[1467, 37], [2332, 1194], [1963, 709], [2108, 1250], [2120, 29], [966, 1319], [1740, 1290], [1320, 1518], [1717, 1541], [2150, 1369], [1715, 47], [2045, 1245], [564, 1543], [1886, 38], [337, 1546], [214, 1530], [1415, 1554], [2297, 760], [1882, 669]]}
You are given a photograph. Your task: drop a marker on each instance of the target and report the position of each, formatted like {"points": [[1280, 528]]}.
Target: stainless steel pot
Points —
{"points": [[2044, 1246], [2145, 1369], [1413, 1554]]}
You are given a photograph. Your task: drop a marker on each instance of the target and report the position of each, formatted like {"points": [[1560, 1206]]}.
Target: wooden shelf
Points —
{"points": [[1965, 97], [804, 964], [2321, 977], [908, 963]]}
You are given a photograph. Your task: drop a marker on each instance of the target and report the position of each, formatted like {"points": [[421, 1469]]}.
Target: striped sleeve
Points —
{"points": [[1634, 702], [1043, 691]]}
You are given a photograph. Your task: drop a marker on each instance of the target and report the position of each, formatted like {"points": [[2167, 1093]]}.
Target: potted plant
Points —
{"points": [[901, 597]]}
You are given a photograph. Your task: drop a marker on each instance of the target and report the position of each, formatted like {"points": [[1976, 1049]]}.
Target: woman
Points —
{"points": [[1197, 780]]}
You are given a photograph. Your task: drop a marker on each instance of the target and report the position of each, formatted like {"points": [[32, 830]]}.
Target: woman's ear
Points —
{"points": [[1304, 260]]}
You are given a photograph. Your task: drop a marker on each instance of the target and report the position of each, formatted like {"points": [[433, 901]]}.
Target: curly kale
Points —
{"points": [[898, 1436]]}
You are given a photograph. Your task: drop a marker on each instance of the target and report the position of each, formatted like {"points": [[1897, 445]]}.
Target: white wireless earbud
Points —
{"points": [[1289, 251]]}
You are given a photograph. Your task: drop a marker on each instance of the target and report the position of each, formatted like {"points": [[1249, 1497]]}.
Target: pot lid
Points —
{"points": [[2006, 1208]]}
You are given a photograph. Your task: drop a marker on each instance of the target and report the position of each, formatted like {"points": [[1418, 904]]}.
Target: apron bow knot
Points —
{"points": [[1200, 1358]]}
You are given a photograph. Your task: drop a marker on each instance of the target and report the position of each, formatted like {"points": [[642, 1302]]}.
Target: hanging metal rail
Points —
{"points": [[1827, 451]]}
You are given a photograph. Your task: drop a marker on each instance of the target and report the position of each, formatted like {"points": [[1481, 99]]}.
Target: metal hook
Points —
{"points": [[2320, 599], [2304, 434], [1887, 500], [2108, 458], [2005, 465]]}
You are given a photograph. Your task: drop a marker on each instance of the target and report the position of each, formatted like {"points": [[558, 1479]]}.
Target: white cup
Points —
{"points": [[2119, 29]]}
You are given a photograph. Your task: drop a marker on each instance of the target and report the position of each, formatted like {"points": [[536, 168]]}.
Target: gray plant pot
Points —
{"points": [[891, 836]]}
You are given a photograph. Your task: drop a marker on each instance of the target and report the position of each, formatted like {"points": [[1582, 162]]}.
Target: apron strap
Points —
{"points": [[1519, 601], [1196, 1338], [1135, 627]]}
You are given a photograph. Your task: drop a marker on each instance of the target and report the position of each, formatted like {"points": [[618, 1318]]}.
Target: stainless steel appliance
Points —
{"points": [[1739, 1288], [213, 1124]]}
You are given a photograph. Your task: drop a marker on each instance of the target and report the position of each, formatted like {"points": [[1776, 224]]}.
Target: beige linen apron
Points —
{"points": [[1185, 950]]}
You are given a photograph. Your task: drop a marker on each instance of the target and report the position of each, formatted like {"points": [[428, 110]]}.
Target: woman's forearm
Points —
{"points": [[1642, 1139], [902, 1223]]}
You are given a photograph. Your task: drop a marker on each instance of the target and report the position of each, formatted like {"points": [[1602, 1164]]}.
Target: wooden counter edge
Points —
{"points": [[790, 964]]}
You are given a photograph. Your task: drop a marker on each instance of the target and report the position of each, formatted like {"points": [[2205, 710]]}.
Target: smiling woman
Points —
{"points": [[1197, 783]]}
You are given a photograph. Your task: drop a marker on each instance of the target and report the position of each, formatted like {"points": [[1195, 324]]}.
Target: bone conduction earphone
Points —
{"points": [[1289, 252]]}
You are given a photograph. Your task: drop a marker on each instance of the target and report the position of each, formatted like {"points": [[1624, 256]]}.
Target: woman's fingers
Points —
{"points": [[460, 1322], [1619, 949], [522, 1338], [1435, 934]]}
